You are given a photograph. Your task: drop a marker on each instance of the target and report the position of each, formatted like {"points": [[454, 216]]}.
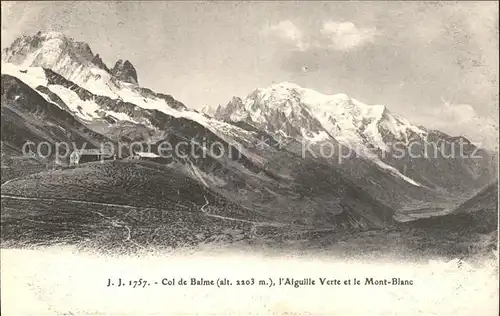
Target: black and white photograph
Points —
{"points": [[249, 158]]}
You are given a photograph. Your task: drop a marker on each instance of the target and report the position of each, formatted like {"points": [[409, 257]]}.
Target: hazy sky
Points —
{"points": [[435, 63]]}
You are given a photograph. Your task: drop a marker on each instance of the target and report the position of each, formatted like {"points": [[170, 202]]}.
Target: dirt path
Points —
{"points": [[204, 211]]}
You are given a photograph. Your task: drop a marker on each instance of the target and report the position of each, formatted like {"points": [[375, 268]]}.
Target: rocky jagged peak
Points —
{"points": [[207, 109], [235, 101], [83, 50], [97, 60], [125, 71], [43, 37], [224, 112]]}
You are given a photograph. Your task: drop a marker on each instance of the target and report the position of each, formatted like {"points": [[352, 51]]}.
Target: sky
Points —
{"points": [[436, 63]]}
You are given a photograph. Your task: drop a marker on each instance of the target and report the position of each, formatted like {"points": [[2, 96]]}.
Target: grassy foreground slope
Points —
{"points": [[28, 223], [119, 204], [126, 182]]}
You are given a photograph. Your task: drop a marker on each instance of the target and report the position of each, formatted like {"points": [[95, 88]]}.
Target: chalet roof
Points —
{"points": [[92, 151], [146, 154]]}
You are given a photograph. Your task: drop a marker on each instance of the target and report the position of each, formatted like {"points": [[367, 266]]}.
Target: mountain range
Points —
{"points": [[288, 154]]}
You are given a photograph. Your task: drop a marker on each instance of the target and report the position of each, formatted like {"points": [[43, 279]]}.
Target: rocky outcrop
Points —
{"points": [[224, 112], [125, 71]]}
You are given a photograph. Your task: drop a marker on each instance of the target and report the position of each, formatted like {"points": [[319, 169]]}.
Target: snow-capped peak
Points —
{"points": [[45, 50], [291, 110], [72, 59], [52, 34], [285, 85], [348, 120], [76, 62], [69, 58]]}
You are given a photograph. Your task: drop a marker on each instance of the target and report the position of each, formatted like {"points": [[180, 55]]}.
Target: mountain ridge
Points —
{"points": [[372, 131]]}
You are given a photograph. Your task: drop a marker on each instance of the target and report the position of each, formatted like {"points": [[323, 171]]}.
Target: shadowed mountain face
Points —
{"points": [[258, 160], [28, 117], [32, 124]]}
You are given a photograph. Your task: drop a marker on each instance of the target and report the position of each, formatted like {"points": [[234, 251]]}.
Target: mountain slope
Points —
{"points": [[478, 214], [28, 117]]}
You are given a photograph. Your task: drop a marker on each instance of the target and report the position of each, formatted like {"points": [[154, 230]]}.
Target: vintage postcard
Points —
{"points": [[249, 158]]}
